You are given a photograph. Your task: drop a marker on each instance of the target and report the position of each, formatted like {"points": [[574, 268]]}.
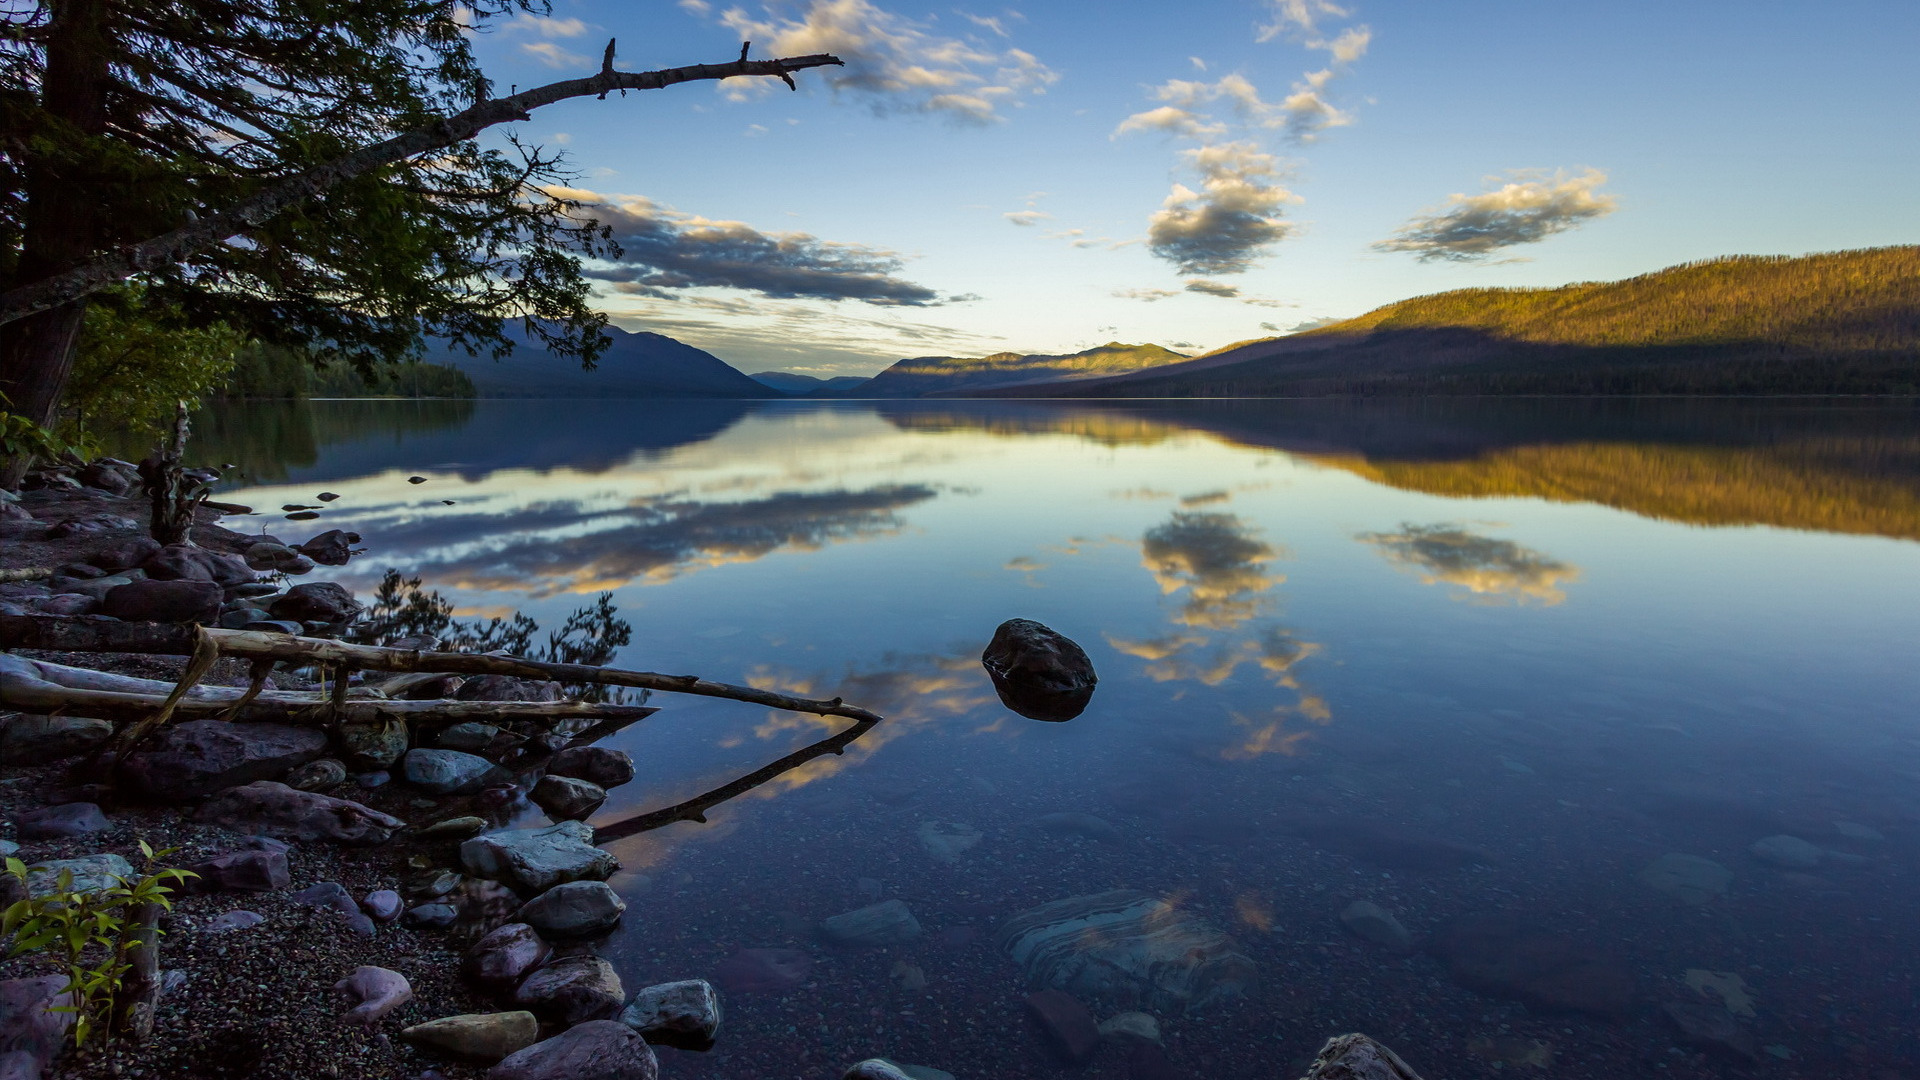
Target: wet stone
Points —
{"points": [[684, 1014], [502, 958], [598, 1050], [607, 767], [534, 860], [483, 1037], [1038, 673], [469, 736], [458, 828], [572, 990], [1371, 922], [450, 772], [1129, 947], [567, 799], [1068, 1028], [946, 841], [431, 916], [573, 909]]}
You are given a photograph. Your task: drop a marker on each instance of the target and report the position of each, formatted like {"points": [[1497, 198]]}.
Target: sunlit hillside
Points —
{"points": [[1845, 322], [933, 374]]}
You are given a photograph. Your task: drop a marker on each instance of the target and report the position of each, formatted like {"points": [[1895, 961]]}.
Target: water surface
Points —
{"points": [[1462, 659]]}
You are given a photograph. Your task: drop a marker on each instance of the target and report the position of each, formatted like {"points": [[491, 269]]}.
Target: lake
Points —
{"points": [[1613, 707]]}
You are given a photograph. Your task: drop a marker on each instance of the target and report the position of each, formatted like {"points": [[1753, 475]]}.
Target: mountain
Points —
{"points": [[788, 382], [635, 365], [931, 375], [1839, 323]]}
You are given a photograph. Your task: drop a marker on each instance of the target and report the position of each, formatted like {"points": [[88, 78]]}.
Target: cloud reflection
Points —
{"points": [[1217, 561], [1491, 571]]}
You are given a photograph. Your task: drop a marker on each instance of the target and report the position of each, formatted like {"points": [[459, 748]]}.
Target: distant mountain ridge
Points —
{"points": [[635, 365], [925, 376], [797, 385], [1840, 322]]}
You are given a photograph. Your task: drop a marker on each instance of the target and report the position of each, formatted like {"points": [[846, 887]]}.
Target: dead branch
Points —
{"points": [[59, 634], [211, 228], [695, 809]]}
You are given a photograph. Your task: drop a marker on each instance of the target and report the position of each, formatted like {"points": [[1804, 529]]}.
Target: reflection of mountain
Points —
{"points": [[1842, 322], [1492, 571], [280, 440], [641, 365], [1832, 466], [925, 375], [563, 547]]}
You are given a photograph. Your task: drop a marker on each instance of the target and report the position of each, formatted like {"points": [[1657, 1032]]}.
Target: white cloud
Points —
{"points": [[894, 63], [1172, 119], [1299, 18], [1206, 287], [553, 55], [1528, 208], [1302, 114], [1145, 295], [544, 26], [1232, 220], [1026, 217]]}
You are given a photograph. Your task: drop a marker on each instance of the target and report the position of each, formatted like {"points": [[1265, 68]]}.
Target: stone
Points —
{"points": [[244, 871], [597, 1050], [909, 977], [1129, 947], [535, 860], [450, 772], [1038, 673], [600, 765], [567, 799], [186, 562], [35, 1017], [125, 555], [376, 991], [8, 847], [507, 688], [377, 745], [57, 822], [91, 526], [1357, 1057], [331, 548], [431, 916], [1133, 1025], [201, 757], [946, 841], [279, 559], [328, 896], [1787, 852], [1371, 922], [572, 990], [78, 570], [685, 1015], [279, 810], [382, 905], [99, 587], [317, 601], [1067, 1026], [484, 1037], [761, 970], [1077, 824], [273, 626], [1713, 1028], [87, 873], [1688, 878], [251, 590], [1853, 830], [456, 828], [889, 922], [111, 477], [573, 909], [37, 740], [1502, 958], [502, 958], [65, 605], [469, 736], [875, 1069], [163, 601], [423, 685], [316, 775], [237, 919]]}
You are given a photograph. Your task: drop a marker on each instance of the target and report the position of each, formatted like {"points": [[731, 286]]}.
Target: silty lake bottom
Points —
{"points": [[1613, 706]]}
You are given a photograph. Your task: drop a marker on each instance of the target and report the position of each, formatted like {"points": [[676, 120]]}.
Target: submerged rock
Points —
{"points": [[1788, 852], [1370, 921], [1713, 1028], [753, 970], [890, 922], [1496, 956], [1688, 878], [1127, 946], [1068, 1027], [946, 841], [1038, 673]]}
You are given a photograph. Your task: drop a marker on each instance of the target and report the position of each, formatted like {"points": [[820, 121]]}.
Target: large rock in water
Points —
{"points": [[200, 757], [596, 1050], [574, 909], [572, 990], [1127, 947], [1038, 673], [1497, 956], [535, 860], [278, 810], [451, 772], [890, 922], [683, 1014]]}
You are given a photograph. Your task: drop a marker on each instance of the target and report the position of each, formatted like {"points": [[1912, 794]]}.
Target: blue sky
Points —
{"points": [[1044, 178]]}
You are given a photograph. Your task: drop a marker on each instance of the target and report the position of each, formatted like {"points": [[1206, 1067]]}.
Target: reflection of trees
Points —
{"points": [[1220, 564], [268, 438], [1218, 561], [1493, 571], [552, 548]]}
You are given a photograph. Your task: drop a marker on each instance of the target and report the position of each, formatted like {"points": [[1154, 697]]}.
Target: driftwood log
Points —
{"points": [[55, 633]]}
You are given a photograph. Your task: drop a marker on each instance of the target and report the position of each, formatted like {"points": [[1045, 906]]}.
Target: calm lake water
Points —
{"points": [[1496, 667]]}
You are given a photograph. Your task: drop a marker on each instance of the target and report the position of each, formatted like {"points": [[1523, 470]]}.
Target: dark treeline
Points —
{"points": [[269, 372]]}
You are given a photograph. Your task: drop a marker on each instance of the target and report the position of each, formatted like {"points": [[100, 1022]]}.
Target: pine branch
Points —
{"points": [[172, 247]]}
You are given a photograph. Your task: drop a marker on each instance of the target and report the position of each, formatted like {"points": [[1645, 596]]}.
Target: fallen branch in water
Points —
{"points": [[55, 633], [695, 809]]}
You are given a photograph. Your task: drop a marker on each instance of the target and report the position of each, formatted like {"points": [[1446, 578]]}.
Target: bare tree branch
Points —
{"points": [[171, 247]]}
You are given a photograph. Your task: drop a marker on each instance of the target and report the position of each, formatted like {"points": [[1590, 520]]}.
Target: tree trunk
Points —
{"points": [[60, 226]]}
